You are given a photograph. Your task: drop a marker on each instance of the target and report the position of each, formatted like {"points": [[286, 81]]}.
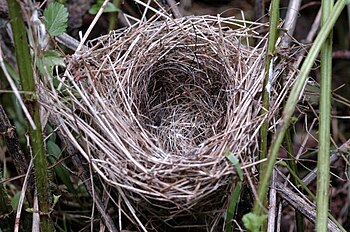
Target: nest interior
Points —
{"points": [[157, 106]]}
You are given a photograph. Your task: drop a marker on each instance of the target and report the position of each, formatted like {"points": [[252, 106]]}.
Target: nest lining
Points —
{"points": [[157, 105]]}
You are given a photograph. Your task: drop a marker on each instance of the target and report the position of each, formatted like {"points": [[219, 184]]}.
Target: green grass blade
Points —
{"points": [[230, 213]]}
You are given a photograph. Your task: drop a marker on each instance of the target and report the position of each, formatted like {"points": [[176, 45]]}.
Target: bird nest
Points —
{"points": [[156, 107]]}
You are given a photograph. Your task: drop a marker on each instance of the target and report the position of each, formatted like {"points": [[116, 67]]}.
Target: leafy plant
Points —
{"points": [[51, 58], [56, 18]]}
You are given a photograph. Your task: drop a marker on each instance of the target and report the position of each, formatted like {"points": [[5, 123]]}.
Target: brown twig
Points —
{"points": [[301, 205]]}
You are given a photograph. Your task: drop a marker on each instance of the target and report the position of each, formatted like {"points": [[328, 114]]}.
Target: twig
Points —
{"points": [[279, 217], [341, 54], [174, 8], [290, 21], [272, 205], [265, 110], [22, 196], [344, 148], [301, 205], [26, 71], [69, 42]]}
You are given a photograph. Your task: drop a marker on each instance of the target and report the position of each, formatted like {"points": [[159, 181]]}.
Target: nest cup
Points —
{"points": [[157, 106]]}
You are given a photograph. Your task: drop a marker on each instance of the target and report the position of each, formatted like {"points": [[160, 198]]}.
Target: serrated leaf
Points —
{"points": [[56, 18], [51, 59], [253, 222]]}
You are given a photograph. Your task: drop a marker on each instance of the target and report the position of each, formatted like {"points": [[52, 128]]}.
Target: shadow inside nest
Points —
{"points": [[184, 104]]}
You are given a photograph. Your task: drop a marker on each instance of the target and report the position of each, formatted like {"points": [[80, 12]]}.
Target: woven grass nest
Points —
{"points": [[155, 107]]}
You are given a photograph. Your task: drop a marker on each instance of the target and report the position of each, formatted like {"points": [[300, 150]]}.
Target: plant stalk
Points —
{"points": [[323, 162], [113, 17], [25, 68], [273, 34]]}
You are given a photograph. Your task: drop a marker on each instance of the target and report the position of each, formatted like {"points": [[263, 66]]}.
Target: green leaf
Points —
{"points": [[253, 222], [63, 174], [30, 210], [50, 60], [53, 149], [230, 213], [312, 92], [15, 200], [236, 192], [55, 199], [110, 7], [56, 18], [51, 133], [235, 161]]}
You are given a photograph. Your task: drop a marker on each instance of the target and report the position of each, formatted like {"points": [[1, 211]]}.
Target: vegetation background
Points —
{"points": [[68, 205]]}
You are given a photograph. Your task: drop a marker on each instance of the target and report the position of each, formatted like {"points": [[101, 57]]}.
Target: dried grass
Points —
{"points": [[154, 107]]}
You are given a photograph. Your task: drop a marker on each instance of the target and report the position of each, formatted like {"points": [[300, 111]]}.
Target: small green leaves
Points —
{"points": [[110, 7], [234, 160], [56, 18], [15, 200], [253, 222], [55, 151], [51, 59], [235, 195], [56, 198]]}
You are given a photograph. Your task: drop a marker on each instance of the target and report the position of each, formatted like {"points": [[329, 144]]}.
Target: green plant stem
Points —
{"points": [[294, 96], [323, 175], [113, 17], [261, 201], [25, 68]]}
